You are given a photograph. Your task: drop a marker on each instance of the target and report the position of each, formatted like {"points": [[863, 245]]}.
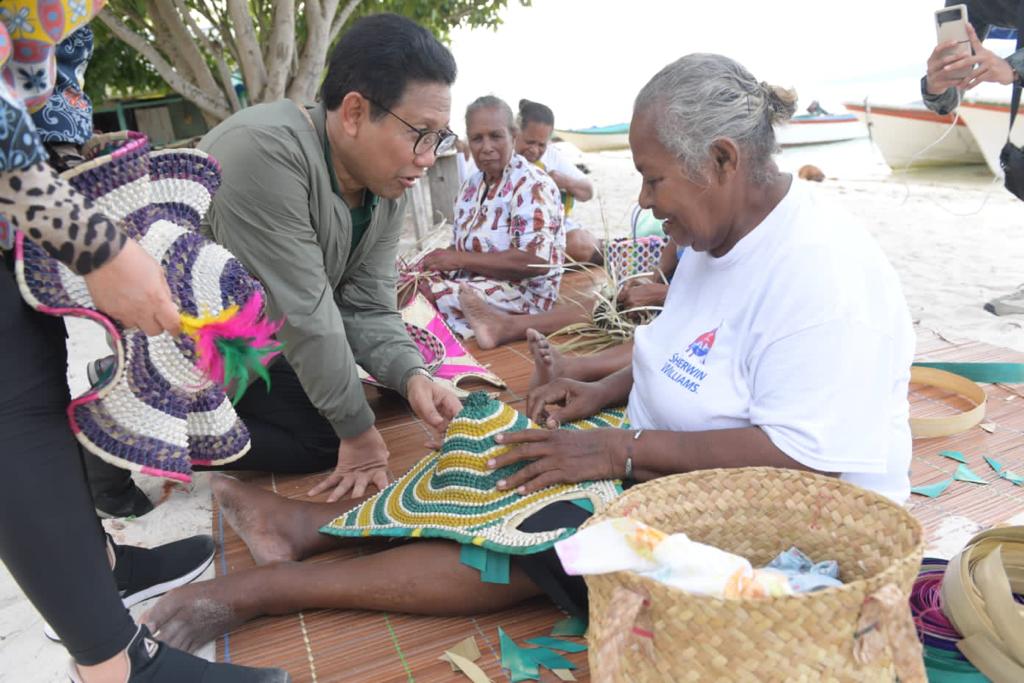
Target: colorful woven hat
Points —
{"points": [[446, 358], [451, 493], [164, 407]]}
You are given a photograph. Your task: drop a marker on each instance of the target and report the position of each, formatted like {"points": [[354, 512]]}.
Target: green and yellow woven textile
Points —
{"points": [[451, 493]]}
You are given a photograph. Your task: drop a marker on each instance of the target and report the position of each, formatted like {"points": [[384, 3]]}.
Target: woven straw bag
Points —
{"points": [[642, 630]]}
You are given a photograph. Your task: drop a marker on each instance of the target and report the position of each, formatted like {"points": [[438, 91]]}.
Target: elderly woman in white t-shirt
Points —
{"points": [[785, 339]]}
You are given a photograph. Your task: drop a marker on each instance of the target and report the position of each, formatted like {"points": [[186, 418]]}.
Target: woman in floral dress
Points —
{"points": [[508, 244]]}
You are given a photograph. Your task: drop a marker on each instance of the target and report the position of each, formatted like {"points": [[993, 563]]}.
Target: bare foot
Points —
{"points": [[490, 327], [193, 615], [272, 527], [548, 362]]}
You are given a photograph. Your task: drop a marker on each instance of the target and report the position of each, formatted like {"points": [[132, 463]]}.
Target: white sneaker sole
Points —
{"points": [[151, 592]]}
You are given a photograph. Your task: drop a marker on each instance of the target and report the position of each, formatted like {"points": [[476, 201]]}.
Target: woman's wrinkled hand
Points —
{"points": [[560, 456], [442, 260], [564, 400]]}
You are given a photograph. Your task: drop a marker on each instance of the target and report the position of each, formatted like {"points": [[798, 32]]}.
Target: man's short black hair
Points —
{"points": [[379, 56]]}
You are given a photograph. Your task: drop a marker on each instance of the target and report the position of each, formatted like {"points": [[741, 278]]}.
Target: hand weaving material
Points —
{"points": [[164, 408], [451, 493]]}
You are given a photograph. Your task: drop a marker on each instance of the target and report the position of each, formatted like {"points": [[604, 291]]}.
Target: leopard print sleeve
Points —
{"points": [[51, 213]]}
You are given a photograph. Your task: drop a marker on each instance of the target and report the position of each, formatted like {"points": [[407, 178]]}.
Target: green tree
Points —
{"points": [[279, 47]]}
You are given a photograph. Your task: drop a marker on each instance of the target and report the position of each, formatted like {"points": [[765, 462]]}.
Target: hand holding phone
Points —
{"points": [[953, 48], [951, 27]]}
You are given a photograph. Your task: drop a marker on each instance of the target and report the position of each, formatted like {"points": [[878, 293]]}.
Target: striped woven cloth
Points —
{"points": [[451, 493]]}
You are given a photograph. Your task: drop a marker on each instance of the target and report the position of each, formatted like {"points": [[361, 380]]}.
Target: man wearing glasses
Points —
{"points": [[311, 203]]}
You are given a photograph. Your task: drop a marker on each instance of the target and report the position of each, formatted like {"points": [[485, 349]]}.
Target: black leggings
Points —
{"points": [[50, 538]]}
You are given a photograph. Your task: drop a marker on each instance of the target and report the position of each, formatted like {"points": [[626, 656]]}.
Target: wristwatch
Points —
{"points": [[411, 373]]}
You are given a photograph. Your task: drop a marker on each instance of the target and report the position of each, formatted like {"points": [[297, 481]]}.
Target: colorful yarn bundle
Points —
{"points": [[943, 661], [164, 407]]}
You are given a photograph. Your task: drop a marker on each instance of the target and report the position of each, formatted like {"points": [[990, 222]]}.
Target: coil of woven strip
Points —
{"points": [[156, 414], [978, 597], [754, 512], [451, 493]]}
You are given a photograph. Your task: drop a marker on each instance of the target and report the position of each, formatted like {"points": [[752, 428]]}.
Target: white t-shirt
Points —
{"points": [[801, 330]]}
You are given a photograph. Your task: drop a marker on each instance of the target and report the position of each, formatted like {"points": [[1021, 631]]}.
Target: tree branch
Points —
{"points": [[216, 52], [250, 58], [280, 50], [216, 107], [314, 53], [341, 19], [167, 13]]}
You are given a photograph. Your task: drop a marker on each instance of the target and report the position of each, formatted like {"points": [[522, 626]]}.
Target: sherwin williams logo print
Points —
{"points": [[701, 346], [686, 374]]}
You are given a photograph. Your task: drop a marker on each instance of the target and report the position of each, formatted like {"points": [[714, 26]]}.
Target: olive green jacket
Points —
{"points": [[276, 212]]}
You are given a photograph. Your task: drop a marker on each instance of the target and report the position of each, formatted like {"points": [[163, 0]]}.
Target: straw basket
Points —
{"points": [[642, 630]]}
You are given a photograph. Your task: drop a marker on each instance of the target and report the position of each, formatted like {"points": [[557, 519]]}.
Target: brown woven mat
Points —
{"points": [[360, 646]]}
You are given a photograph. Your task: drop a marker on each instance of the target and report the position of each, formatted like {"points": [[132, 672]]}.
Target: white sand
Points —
{"points": [[953, 236]]}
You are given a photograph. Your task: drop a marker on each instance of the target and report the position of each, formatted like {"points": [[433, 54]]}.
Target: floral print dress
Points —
{"points": [[522, 211]]}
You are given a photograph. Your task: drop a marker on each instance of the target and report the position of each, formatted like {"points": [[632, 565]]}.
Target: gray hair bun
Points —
{"points": [[780, 102]]}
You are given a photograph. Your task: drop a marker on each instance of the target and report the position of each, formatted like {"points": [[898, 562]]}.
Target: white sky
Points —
{"points": [[587, 59]]}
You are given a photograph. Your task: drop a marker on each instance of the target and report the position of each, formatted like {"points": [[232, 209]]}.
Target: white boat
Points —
{"points": [[811, 129], [912, 136], [988, 122], [597, 138]]}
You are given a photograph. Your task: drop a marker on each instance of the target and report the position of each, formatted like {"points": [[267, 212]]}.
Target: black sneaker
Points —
{"points": [[144, 573], [131, 503], [150, 661]]}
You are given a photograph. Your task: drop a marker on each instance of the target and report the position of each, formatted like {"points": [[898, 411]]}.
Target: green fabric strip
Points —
{"points": [[1006, 373], [570, 626], [584, 503], [473, 556], [513, 658], [557, 644], [497, 569]]}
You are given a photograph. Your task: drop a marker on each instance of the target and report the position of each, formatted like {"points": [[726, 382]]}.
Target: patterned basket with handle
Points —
{"points": [[628, 256], [643, 630]]}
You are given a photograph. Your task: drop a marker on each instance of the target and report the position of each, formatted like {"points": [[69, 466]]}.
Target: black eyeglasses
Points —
{"points": [[440, 140]]}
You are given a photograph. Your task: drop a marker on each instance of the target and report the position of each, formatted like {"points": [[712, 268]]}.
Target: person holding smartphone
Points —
{"points": [[945, 83]]}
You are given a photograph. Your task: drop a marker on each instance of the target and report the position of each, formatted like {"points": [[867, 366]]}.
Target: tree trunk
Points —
{"points": [[249, 56], [212, 103], [318, 31], [280, 51]]}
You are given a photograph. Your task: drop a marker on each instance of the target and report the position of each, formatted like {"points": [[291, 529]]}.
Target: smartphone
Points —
{"points": [[951, 24]]}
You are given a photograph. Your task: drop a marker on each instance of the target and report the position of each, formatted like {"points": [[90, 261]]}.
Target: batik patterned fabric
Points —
{"points": [[157, 414], [451, 493], [522, 211], [453, 363], [29, 34], [66, 116]]}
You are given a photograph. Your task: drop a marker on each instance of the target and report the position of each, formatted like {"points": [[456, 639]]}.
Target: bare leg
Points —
{"points": [[420, 577], [493, 327], [275, 528], [550, 364], [581, 246]]}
